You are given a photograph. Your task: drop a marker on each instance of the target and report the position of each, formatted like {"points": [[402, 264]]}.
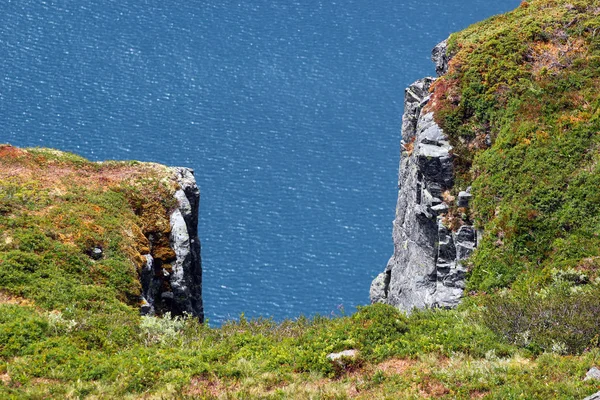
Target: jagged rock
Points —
{"points": [[440, 209], [425, 269], [439, 55], [150, 286], [464, 198], [185, 277], [450, 273], [378, 291], [466, 241], [593, 373], [447, 247], [414, 96], [146, 308]]}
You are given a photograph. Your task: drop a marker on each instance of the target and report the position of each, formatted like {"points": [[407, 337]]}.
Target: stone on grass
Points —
{"points": [[337, 357], [593, 373]]}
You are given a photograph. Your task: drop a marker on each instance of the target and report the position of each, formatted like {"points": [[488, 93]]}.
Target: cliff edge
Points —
{"points": [[75, 233]]}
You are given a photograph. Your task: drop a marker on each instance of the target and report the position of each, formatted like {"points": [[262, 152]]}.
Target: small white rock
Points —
{"points": [[593, 373], [345, 353]]}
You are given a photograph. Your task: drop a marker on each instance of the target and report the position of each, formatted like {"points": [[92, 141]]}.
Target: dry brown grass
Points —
{"points": [[555, 55], [57, 176], [5, 378], [6, 298], [395, 365], [205, 387]]}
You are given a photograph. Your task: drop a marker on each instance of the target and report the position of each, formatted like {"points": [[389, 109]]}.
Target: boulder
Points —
{"points": [[595, 396], [593, 374], [338, 357]]}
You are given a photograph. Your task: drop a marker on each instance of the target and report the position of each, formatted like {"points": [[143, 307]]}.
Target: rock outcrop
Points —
{"points": [[426, 269], [176, 286], [440, 57]]}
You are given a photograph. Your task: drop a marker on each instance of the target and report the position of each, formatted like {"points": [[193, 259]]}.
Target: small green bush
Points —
{"points": [[161, 330], [20, 328]]}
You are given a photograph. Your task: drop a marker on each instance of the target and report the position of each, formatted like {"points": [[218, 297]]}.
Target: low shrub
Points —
{"points": [[561, 318]]}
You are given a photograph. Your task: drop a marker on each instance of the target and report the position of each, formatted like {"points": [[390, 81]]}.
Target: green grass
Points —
{"points": [[70, 325], [442, 354]]}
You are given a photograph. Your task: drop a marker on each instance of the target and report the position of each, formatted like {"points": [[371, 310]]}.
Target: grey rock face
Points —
{"points": [[379, 287], [415, 97], [439, 55], [426, 269], [185, 278], [593, 373], [464, 198], [150, 287]]}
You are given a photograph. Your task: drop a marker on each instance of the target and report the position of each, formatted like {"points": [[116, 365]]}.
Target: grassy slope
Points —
{"points": [[69, 325]]}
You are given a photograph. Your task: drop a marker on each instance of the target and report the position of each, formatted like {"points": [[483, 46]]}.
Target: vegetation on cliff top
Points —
{"points": [[521, 104], [529, 83]]}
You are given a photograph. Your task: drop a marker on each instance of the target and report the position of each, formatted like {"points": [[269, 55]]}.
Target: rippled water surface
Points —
{"points": [[288, 111]]}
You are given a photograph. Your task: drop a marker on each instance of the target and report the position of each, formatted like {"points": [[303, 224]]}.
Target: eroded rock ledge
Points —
{"points": [[175, 286], [426, 269]]}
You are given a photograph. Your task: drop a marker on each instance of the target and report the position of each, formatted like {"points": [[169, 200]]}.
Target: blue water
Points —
{"points": [[289, 111]]}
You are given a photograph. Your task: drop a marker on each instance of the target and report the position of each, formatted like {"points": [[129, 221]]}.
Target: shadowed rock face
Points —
{"points": [[425, 269], [180, 290]]}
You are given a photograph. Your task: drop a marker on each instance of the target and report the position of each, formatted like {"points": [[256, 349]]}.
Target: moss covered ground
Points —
{"points": [[521, 103]]}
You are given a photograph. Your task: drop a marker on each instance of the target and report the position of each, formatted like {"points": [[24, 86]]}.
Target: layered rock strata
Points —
{"points": [[426, 269], [176, 286]]}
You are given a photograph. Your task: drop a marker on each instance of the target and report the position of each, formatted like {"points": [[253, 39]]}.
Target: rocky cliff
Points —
{"points": [[426, 269], [175, 286], [128, 230], [506, 140]]}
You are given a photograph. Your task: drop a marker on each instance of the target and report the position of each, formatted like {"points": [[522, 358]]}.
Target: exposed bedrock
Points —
{"points": [[176, 286], [440, 57], [426, 269]]}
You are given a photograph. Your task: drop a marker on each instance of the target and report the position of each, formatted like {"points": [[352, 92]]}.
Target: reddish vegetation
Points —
{"points": [[56, 173]]}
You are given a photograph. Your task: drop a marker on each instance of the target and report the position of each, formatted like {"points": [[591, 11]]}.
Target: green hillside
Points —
{"points": [[529, 80], [521, 103]]}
